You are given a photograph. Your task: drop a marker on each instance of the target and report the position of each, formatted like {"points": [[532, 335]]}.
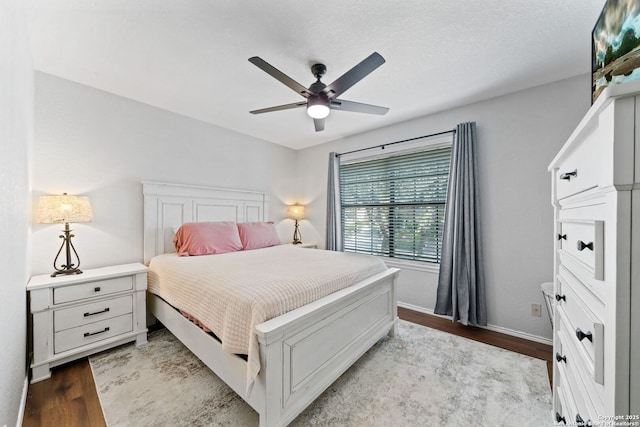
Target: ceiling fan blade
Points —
{"points": [[357, 107], [319, 124], [280, 107], [354, 75], [280, 76]]}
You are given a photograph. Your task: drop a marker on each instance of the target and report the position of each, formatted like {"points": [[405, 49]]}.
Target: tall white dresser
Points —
{"points": [[596, 199]]}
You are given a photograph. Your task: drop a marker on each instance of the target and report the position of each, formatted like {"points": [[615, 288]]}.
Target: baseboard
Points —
{"points": [[23, 400], [493, 328]]}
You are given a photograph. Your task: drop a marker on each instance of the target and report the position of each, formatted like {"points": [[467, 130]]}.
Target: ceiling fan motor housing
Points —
{"points": [[317, 88]]}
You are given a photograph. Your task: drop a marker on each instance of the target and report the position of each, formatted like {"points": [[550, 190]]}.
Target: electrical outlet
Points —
{"points": [[536, 310]]}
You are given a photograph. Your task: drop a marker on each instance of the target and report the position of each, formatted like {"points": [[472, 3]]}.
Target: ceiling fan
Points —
{"points": [[321, 98]]}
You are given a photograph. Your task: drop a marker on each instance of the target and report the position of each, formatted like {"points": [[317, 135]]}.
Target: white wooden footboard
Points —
{"points": [[302, 352]]}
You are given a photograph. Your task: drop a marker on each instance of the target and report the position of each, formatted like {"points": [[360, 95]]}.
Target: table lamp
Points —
{"points": [[65, 209], [296, 212]]}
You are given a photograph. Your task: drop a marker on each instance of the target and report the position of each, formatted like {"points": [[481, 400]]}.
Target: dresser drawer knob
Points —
{"points": [[582, 245], [561, 358], [582, 335], [88, 334], [581, 422], [568, 175], [96, 289], [560, 297], [96, 312], [560, 418], [562, 237]]}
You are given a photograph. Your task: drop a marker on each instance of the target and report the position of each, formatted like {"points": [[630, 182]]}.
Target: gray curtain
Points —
{"points": [[334, 226], [461, 287]]}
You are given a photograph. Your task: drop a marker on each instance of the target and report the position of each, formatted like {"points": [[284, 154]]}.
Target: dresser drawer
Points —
{"points": [[580, 329], [91, 289], [563, 408], [589, 297], [572, 407], [584, 241], [590, 395], [581, 168], [92, 312], [96, 331]]}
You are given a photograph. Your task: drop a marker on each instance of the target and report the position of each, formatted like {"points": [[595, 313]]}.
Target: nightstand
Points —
{"points": [[306, 245], [78, 315]]}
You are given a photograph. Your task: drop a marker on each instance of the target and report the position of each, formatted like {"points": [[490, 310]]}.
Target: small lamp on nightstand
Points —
{"points": [[296, 212], [65, 209]]}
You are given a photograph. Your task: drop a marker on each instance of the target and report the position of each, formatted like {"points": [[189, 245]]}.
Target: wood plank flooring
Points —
{"points": [[69, 397]]}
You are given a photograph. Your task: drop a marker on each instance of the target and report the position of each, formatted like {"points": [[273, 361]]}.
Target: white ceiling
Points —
{"points": [[190, 56]]}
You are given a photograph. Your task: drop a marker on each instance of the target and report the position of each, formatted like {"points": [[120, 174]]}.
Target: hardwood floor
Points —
{"points": [[69, 397]]}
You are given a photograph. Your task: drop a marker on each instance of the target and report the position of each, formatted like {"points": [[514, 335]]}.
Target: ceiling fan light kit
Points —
{"points": [[320, 98], [317, 108]]}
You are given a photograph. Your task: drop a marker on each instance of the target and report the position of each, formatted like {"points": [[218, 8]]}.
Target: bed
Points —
{"points": [[302, 351]]}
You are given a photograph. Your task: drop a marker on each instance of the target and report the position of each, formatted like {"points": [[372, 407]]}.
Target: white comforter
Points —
{"points": [[232, 293]]}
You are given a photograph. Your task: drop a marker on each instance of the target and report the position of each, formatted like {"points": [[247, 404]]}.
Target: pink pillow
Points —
{"points": [[256, 235], [206, 238]]}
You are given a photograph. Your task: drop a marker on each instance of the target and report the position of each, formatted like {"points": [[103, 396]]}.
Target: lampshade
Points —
{"points": [[295, 212], [317, 108], [64, 209]]}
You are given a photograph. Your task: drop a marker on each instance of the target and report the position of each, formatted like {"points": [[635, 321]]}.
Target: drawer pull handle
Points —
{"points": [[88, 334], [582, 335], [568, 175], [560, 418], [560, 297], [562, 237], [96, 312], [582, 245], [561, 358], [581, 422], [96, 289]]}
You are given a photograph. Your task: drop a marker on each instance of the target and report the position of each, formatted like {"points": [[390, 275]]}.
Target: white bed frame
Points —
{"points": [[301, 352]]}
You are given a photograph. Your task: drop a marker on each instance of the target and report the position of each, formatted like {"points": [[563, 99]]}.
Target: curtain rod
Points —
{"points": [[397, 142]]}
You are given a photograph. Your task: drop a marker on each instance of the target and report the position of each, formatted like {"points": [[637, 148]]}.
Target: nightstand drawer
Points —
{"points": [[91, 289], [87, 334], [88, 313]]}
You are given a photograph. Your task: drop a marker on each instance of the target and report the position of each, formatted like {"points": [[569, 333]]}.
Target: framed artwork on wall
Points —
{"points": [[615, 53]]}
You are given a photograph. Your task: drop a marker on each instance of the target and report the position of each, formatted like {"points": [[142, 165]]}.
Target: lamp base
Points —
{"points": [[65, 272], [296, 235], [67, 245]]}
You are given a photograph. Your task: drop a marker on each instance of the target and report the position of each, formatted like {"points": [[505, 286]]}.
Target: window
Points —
{"points": [[394, 206]]}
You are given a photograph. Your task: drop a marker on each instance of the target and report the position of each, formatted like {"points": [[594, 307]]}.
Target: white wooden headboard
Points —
{"points": [[168, 206]]}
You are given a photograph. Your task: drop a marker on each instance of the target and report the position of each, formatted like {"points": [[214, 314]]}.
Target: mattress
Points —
{"points": [[231, 293]]}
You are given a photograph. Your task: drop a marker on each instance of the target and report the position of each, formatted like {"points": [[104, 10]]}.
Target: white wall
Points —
{"points": [[518, 135], [101, 145], [94, 143], [16, 124]]}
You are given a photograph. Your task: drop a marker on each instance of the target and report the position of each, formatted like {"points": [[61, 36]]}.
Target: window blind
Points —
{"points": [[394, 206]]}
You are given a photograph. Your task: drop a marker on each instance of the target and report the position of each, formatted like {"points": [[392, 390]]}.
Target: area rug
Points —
{"points": [[421, 377]]}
